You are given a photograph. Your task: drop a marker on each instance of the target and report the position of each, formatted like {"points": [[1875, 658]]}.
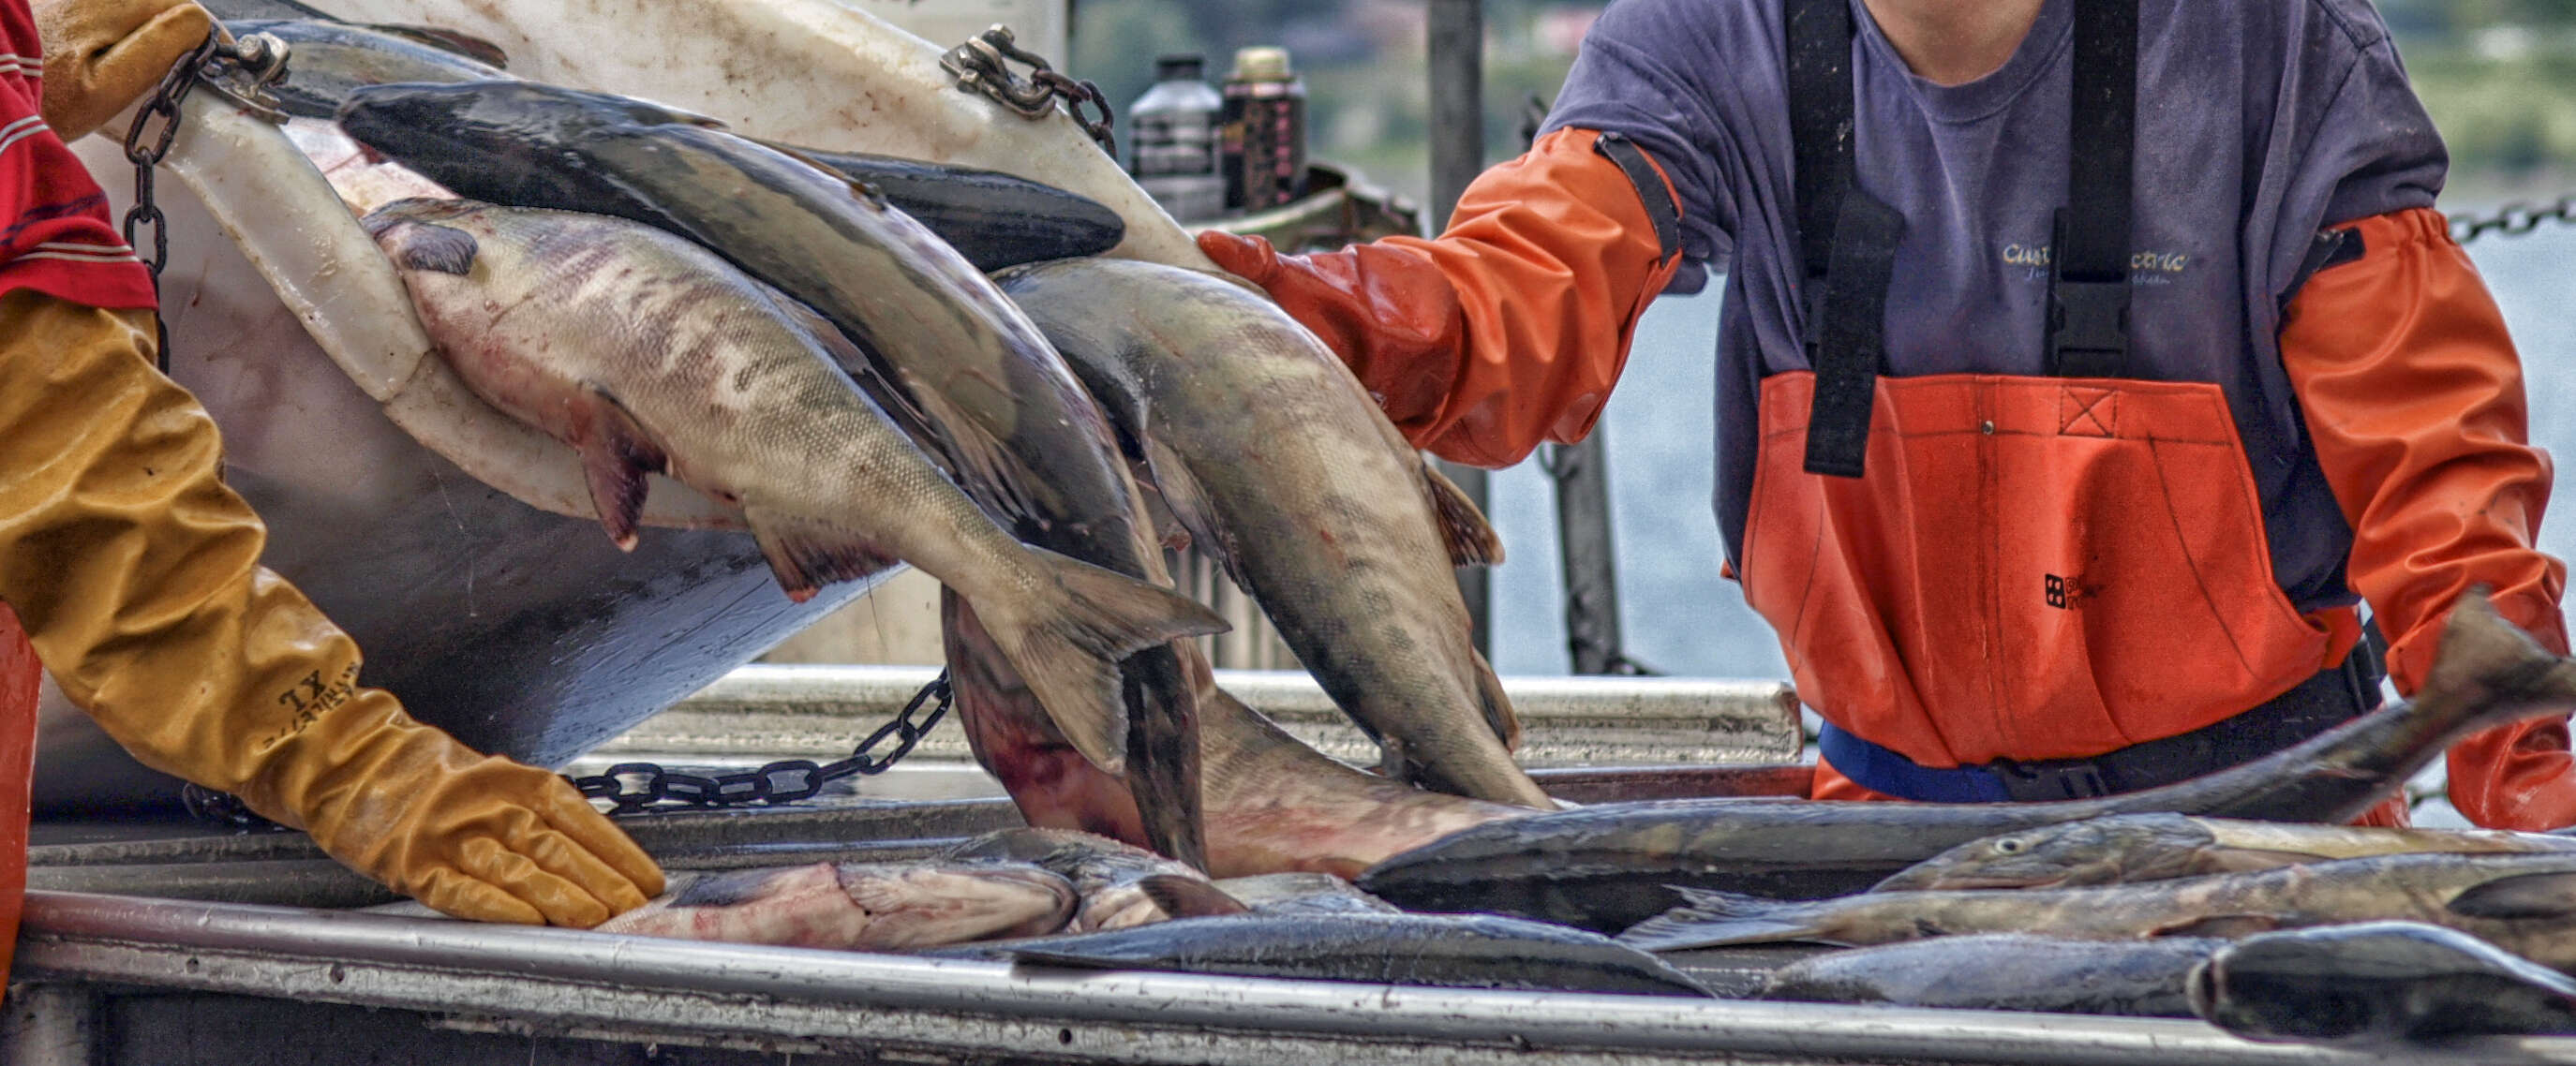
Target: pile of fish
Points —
{"points": [[864, 361]]}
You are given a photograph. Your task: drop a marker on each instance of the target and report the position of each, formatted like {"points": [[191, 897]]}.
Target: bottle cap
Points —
{"points": [[1184, 66], [1262, 64]]}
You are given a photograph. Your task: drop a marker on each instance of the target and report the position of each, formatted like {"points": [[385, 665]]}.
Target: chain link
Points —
{"points": [[261, 59], [982, 65], [2514, 219], [784, 781]]}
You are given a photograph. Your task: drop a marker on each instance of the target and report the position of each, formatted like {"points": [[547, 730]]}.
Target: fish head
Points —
{"points": [[505, 141], [2093, 852], [954, 902], [2304, 985]]}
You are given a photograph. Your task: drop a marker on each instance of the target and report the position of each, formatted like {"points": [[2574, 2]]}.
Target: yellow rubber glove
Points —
{"points": [[103, 55], [137, 575]]}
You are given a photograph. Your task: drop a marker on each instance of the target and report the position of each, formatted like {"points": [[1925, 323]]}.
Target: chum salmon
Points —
{"points": [[1270, 453], [2128, 848], [648, 354], [859, 906]]}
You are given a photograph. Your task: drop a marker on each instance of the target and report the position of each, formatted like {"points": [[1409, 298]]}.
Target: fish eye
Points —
{"points": [[2008, 846]]}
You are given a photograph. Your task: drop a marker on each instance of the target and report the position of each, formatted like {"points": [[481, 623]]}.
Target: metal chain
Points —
{"points": [[982, 65], [262, 59], [784, 781], [2514, 219]]}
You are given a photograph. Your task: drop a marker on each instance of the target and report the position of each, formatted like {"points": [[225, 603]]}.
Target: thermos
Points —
{"points": [[1265, 131], [1174, 129]]}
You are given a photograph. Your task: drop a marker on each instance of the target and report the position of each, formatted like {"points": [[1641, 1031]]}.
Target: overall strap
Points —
{"points": [[2088, 278], [1847, 239]]}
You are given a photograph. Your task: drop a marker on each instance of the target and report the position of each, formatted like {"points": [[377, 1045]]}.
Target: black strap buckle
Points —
{"points": [[2088, 319], [2051, 781]]}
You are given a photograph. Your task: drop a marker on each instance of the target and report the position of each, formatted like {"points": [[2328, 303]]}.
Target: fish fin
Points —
{"points": [[2248, 860], [1471, 540], [1709, 918], [1496, 703], [1189, 505], [1070, 960], [430, 246], [2221, 926], [616, 454], [1189, 897], [979, 465], [450, 41], [1068, 646], [807, 554], [2523, 896]]}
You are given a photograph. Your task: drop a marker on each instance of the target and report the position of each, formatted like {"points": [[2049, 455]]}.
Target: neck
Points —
{"points": [[1953, 42]]}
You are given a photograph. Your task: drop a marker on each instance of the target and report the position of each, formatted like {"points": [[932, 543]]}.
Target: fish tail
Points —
{"points": [[1067, 645], [2482, 652], [1708, 918]]}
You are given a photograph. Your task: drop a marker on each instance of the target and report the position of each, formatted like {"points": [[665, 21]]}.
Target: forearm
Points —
{"points": [[1512, 326]]}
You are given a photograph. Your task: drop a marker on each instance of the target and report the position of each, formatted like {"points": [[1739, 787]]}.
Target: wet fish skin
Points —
{"points": [[2524, 903], [1272, 804], [1121, 886], [1611, 866], [996, 220], [648, 354], [859, 906], [1276, 460], [1014, 424], [2004, 971], [1472, 951], [1303, 893], [2378, 984], [2129, 848]]}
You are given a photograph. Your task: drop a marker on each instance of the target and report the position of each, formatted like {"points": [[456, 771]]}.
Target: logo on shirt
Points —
{"points": [[2145, 268]]}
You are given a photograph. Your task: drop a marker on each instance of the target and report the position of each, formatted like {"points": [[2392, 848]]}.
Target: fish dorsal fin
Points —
{"points": [[807, 554], [450, 41], [2248, 860], [1709, 918], [2223, 926], [1471, 540], [1496, 704], [616, 454], [866, 191], [1191, 506], [430, 246], [1189, 897], [2548, 895]]}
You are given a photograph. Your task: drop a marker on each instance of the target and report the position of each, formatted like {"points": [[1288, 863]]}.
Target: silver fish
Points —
{"points": [[2128, 848], [648, 354], [1273, 457]]}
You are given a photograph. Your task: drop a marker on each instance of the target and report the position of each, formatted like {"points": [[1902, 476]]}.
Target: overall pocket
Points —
{"points": [[2033, 567]]}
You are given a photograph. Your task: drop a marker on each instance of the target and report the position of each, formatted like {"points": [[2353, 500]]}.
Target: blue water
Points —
{"points": [[1683, 619]]}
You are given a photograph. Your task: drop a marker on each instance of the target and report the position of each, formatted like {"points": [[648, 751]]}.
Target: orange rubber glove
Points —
{"points": [[1508, 330], [136, 574], [2414, 397], [102, 55]]}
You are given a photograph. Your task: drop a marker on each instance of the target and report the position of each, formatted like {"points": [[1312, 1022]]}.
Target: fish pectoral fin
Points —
{"points": [[2222, 926], [1189, 897], [807, 554], [616, 455], [430, 246], [1470, 538], [2524, 896], [1189, 504]]}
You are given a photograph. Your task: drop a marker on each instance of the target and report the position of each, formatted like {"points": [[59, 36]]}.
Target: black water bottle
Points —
{"points": [[1265, 131]]}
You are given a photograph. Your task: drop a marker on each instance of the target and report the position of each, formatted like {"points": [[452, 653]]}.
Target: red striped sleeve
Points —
{"points": [[56, 236]]}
